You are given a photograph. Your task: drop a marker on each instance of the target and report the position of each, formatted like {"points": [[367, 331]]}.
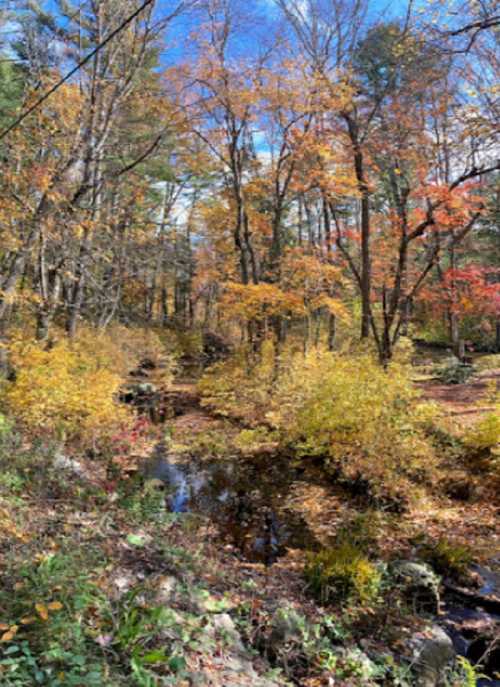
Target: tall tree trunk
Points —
{"points": [[365, 272]]}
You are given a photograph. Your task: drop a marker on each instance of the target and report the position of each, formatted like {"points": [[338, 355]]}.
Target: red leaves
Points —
{"points": [[469, 290]]}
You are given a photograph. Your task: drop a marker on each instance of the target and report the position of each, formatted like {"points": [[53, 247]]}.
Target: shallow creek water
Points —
{"points": [[246, 499]]}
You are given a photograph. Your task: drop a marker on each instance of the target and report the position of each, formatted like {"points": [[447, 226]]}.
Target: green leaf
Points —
{"points": [[177, 663], [11, 649], [156, 656], [136, 540]]}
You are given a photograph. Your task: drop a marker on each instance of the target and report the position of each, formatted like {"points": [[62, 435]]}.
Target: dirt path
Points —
{"points": [[464, 401]]}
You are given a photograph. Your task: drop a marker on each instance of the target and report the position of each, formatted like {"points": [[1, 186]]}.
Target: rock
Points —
{"points": [[357, 661], [287, 627], [62, 462], [152, 484], [167, 590], [419, 584], [487, 593], [224, 625], [486, 651], [233, 664], [123, 582], [433, 652], [138, 393], [146, 388], [199, 601]]}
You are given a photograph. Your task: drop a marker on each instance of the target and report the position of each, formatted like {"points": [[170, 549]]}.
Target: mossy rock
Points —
{"points": [[419, 585]]}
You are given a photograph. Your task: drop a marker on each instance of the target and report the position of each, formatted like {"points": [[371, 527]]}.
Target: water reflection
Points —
{"points": [[244, 499]]}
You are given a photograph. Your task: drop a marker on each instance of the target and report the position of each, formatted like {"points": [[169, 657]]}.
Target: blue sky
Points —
{"points": [[258, 34]]}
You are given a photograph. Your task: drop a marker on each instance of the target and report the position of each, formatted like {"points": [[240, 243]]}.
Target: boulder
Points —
{"points": [[433, 653], [223, 625], [419, 584], [355, 660]]}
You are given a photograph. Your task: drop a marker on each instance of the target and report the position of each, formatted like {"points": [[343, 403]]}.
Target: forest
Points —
{"points": [[249, 343]]}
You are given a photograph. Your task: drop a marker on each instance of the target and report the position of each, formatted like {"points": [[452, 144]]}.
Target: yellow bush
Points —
{"points": [[342, 573], [367, 421], [70, 389], [64, 392], [120, 349], [486, 433], [488, 362]]}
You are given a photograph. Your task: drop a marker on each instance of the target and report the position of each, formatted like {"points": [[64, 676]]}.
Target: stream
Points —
{"points": [[246, 499]]}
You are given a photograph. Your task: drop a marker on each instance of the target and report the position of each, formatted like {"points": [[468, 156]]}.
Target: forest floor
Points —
{"points": [[101, 584], [464, 402]]}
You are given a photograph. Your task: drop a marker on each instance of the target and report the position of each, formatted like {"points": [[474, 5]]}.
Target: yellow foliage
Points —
{"points": [[258, 301], [234, 388], [488, 362], [63, 391], [486, 433], [70, 389], [365, 420], [119, 349], [342, 573]]}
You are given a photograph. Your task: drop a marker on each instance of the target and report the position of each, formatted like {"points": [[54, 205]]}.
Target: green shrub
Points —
{"points": [[360, 531], [50, 613], [342, 573], [5, 427], [454, 372]]}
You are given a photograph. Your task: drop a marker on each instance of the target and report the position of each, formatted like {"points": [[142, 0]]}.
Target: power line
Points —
{"points": [[73, 71]]}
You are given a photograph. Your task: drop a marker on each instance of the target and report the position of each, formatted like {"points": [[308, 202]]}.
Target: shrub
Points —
{"points": [[361, 531], [366, 421], [63, 392], [235, 387], [486, 433], [342, 573], [454, 372], [255, 440], [189, 344], [488, 362], [120, 349], [69, 390], [5, 427]]}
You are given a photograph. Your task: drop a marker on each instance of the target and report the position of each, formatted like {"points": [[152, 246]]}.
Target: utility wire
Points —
{"points": [[73, 71]]}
